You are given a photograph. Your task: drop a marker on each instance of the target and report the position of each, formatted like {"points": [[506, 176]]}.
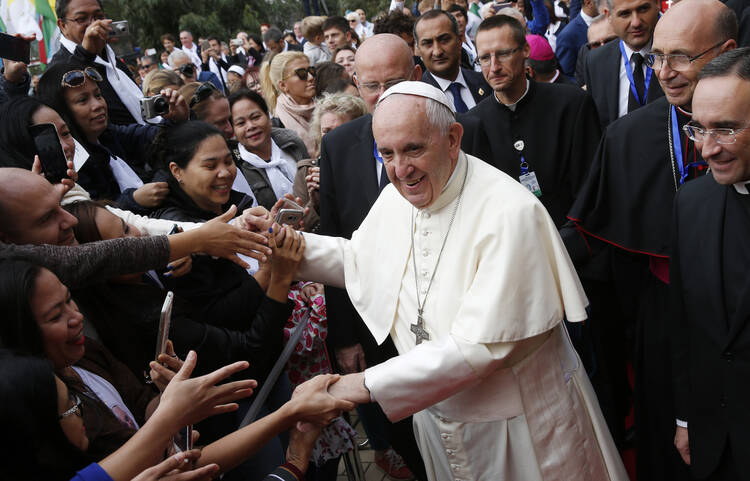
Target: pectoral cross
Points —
{"points": [[419, 330]]}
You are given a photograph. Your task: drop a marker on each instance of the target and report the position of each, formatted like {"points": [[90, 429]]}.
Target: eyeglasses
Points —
{"points": [[599, 43], [76, 409], [202, 93], [77, 78], [301, 73], [677, 62], [721, 136], [145, 66], [86, 20], [374, 87], [499, 56]]}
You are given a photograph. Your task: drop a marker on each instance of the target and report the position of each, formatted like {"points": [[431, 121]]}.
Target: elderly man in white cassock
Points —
{"points": [[464, 268]]}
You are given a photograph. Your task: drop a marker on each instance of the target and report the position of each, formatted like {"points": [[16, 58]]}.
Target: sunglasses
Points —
{"points": [[202, 93], [77, 78], [301, 73], [188, 70]]}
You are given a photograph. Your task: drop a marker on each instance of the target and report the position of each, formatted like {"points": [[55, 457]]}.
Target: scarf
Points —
{"points": [[126, 89], [297, 118], [279, 171]]}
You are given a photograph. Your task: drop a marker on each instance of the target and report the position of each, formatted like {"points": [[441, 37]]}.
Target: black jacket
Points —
{"points": [[710, 296], [221, 292], [118, 113]]}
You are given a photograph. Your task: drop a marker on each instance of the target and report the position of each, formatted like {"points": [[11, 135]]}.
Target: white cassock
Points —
{"points": [[498, 392]]}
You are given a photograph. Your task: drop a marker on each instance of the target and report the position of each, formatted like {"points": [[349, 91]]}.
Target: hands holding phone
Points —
{"points": [[15, 55]]}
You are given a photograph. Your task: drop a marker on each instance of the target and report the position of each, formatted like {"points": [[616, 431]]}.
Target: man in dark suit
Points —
{"points": [[85, 31], [616, 74], [439, 44], [351, 178], [274, 40], [709, 281], [573, 37]]}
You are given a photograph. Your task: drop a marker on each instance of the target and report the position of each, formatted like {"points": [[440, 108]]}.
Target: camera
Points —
{"points": [[237, 42], [154, 106], [188, 70], [119, 29]]}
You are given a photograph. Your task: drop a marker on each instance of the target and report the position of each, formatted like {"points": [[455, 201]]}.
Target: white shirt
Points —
{"points": [[194, 57], [624, 87], [586, 18], [107, 394], [465, 92]]}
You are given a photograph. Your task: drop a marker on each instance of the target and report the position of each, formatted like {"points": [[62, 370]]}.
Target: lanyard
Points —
{"points": [[677, 145], [629, 73], [375, 152]]}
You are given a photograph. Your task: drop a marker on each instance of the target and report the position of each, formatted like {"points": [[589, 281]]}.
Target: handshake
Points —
{"points": [[342, 393]]}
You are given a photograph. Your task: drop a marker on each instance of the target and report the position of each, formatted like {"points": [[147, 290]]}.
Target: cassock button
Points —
{"points": [[426, 215], [425, 253], [424, 233], [445, 436]]}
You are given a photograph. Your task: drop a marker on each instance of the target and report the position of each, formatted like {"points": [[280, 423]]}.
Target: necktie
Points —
{"points": [[637, 60], [458, 102]]}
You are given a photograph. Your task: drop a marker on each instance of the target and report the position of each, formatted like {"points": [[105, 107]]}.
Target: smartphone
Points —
{"points": [[183, 440], [51, 155], [290, 217], [164, 321], [15, 48], [499, 5]]}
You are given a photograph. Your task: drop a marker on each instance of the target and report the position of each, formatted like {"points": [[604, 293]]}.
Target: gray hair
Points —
{"points": [[175, 56], [438, 115], [734, 62], [340, 104]]}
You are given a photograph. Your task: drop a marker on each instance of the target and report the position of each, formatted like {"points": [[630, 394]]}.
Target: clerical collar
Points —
{"points": [[452, 187], [741, 187], [586, 18], [685, 112], [512, 106]]}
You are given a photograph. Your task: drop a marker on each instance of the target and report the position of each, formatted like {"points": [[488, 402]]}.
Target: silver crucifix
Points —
{"points": [[419, 330]]}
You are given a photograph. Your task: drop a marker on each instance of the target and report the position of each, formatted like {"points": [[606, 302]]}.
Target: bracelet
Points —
{"points": [[293, 469]]}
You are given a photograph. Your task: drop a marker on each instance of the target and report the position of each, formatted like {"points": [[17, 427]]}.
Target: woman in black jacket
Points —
{"points": [[117, 164]]}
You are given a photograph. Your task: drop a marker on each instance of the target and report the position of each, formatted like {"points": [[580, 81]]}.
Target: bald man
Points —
{"points": [[623, 213], [351, 178]]}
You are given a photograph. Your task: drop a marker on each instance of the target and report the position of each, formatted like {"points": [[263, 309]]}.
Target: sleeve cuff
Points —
{"points": [[681, 423]]}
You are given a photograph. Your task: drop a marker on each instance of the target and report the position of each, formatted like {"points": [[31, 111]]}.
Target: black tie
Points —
{"points": [[637, 60]]}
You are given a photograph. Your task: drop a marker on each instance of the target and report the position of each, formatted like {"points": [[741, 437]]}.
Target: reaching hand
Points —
{"points": [[180, 267], [179, 468], [188, 401], [220, 239], [313, 185], [178, 106], [255, 219], [681, 442], [287, 254], [167, 366], [96, 36], [15, 72], [66, 182], [313, 404], [151, 194], [351, 359], [300, 446]]}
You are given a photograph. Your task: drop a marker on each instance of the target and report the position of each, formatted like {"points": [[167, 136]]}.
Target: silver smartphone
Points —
{"points": [[183, 440], [165, 320]]}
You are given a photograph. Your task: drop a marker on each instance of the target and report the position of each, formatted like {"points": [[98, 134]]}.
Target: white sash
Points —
{"points": [[125, 88], [279, 170], [124, 175]]}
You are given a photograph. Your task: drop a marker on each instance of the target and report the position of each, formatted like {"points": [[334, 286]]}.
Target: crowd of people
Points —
{"points": [[509, 235]]}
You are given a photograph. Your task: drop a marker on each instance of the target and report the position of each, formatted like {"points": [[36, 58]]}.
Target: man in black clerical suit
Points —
{"points": [[620, 231], [351, 178], [616, 74], [710, 279], [438, 42], [542, 134]]}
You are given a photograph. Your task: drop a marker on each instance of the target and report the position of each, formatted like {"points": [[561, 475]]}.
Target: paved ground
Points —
{"points": [[367, 455]]}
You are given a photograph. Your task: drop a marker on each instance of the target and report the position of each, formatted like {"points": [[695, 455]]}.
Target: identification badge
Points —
{"points": [[529, 181]]}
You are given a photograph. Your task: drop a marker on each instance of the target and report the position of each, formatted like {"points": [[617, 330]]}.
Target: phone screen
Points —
{"points": [[51, 155], [14, 48]]}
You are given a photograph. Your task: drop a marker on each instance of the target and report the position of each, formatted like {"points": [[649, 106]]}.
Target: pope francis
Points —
{"points": [[463, 267]]}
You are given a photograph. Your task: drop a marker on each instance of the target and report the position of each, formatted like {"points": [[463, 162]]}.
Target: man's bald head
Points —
{"points": [[693, 28], [381, 60], [30, 211]]}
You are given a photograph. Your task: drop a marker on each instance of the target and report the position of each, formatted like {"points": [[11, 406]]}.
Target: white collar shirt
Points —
{"points": [[465, 91], [624, 85]]}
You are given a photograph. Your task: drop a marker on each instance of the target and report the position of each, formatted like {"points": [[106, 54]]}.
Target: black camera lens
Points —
{"points": [[161, 106], [187, 70]]}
